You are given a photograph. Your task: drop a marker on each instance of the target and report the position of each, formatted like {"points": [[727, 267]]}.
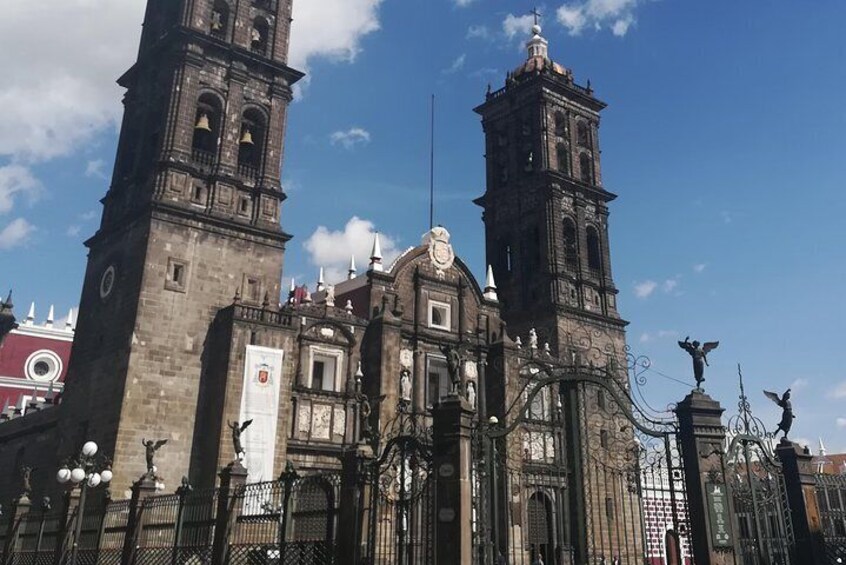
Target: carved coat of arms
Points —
{"points": [[440, 251]]}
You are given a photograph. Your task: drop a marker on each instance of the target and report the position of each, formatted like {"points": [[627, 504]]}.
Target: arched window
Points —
{"points": [[540, 528], [219, 21], [259, 36], [570, 245], [585, 168], [251, 143], [594, 249], [583, 135], [563, 156], [560, 124], [207, 129]]}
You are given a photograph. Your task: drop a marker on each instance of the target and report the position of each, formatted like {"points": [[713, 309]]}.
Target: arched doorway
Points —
{"points": [[540, 529]]}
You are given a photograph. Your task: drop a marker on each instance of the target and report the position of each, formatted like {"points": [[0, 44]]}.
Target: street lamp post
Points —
{"points": [[89, 471]]}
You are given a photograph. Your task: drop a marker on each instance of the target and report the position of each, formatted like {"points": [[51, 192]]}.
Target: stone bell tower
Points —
{"points": [[546, 225], [545, 207], [192, 218]]}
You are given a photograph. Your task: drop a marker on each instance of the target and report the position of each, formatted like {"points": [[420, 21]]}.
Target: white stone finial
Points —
{"points": [[490, 286], [321, 281], [69, 322], [537, 45], [349, 307], [822, 448], [293, 284], [376, 255], [351, 272], [30, 317], [519, 343], [50, 317]]}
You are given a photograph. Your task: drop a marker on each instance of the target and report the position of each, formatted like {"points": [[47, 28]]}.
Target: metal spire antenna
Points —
{"points": [[432, 170]]}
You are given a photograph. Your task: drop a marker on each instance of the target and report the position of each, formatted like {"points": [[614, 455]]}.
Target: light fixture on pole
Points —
{"points": [[87, 471]]}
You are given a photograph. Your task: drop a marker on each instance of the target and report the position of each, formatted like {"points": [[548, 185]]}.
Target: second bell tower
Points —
{"points": [[545, 207]]}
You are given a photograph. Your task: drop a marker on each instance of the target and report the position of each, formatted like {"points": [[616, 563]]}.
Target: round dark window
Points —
{"points": [[41, 368]]}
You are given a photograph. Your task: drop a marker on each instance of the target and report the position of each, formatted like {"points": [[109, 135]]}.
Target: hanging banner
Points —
{"points": [[260, 403]]}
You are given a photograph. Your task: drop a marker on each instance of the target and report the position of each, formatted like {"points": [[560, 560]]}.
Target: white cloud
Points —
{"points": [[645, 289], [59, 60], [699, 267], [839, 391], [96, 168], [463, 3], [331, 29], [350, 138], [478, 32], [16, 181], [616, 15], [15, 234], [670, 285], [332, 249], [841, 422], [798, 384], [456, 65], [647, 337], [74, 230], [513, 25], [726, 216]]}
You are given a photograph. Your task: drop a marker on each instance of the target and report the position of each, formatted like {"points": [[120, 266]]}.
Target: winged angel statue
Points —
{"points": [[150, 449], [787, 416], [237, 429], [699, 353]]}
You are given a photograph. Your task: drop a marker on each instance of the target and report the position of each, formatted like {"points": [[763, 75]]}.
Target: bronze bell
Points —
{"points": [[247, 137], [203, 123]]}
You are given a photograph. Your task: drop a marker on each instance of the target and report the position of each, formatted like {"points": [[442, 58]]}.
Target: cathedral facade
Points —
{"points": [[184, 333]]}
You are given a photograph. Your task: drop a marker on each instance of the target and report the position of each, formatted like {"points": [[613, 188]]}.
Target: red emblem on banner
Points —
{"points": [[263, 376]]}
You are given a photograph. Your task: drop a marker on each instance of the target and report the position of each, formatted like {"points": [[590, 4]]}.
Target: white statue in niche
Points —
{"points": [[471, 393], [405, 386]]}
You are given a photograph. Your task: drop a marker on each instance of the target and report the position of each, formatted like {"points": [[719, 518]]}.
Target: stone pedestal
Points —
{"points": [[799, 481], [354, 510], [452, 460], [233, 477], [702, 437], [20, 507], [142, 489]]}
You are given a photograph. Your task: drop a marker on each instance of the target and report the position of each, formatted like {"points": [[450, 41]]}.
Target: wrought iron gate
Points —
{"points": [[402, 494], [577, 471], [754, 473]]}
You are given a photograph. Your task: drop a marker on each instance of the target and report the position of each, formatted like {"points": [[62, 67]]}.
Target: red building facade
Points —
{"points": [[33, 362]]}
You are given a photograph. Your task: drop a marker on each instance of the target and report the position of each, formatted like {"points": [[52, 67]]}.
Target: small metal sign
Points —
{"points": [[718, 512]]}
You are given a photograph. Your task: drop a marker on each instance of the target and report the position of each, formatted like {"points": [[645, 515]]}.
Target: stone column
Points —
{"points": [[142, 489], [452, 459], [355, 512], [233, 477], [801, 496], [713, 535], [20, 507]]}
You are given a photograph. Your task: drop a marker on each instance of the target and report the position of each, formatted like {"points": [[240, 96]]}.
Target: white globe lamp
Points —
{"points": [[94, 480], [63, 476], [89, 449], [77, 475], [106, 475]]}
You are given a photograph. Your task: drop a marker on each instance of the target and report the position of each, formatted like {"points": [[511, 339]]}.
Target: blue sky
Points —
{"points": [[723, 138]]}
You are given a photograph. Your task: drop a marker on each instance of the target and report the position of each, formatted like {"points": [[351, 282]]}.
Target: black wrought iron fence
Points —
{"points": [[291, 521]]}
